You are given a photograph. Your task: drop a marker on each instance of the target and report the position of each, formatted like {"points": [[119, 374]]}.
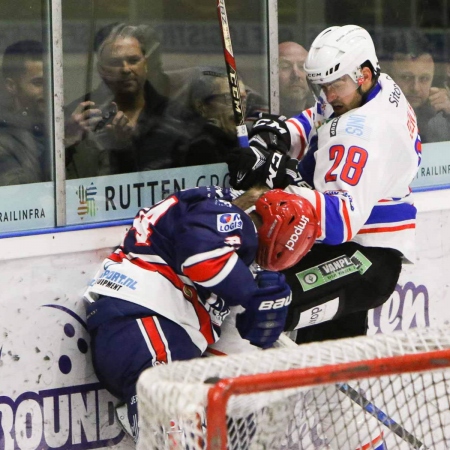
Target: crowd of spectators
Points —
{"points": [[140, 118]]}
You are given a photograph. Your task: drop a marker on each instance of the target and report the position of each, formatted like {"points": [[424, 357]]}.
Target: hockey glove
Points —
{"points": [[246, 166], [264, 317], [280, 171], [272, 130], [253, 165]]}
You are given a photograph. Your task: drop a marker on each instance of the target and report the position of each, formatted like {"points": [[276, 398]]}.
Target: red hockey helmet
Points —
{"points": [[289, 229]]}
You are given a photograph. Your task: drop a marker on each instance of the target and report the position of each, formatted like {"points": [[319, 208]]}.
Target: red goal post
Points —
{"points": [[371, 392]]}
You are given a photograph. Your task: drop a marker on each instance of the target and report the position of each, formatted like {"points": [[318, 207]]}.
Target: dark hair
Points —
{"points": [[203, 82], [102, 34], [144, 34], [16, 54], [149, 43], [411, 43]]}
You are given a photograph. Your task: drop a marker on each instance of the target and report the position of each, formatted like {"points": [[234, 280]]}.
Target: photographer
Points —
{"points": [[125, 125]]}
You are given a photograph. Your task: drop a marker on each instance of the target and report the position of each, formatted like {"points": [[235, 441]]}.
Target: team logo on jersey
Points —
{"points": [[217, 309], [229, 222], [342, 194], [187, 291]]}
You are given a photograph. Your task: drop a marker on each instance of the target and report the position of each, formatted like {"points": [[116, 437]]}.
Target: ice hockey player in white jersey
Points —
{"points": [[353, 156], [362, 152]]}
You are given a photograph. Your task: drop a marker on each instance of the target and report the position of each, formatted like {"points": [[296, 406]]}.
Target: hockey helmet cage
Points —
{"points": [[289, 229], [339, 51]]}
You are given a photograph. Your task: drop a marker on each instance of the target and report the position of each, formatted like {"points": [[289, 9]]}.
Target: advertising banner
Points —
{"points": [[434, 169], [50, 397], [120, 196], [27, 207]]}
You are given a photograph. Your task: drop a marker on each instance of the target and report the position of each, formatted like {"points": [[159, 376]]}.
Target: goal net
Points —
{"points": [[371, 392]]}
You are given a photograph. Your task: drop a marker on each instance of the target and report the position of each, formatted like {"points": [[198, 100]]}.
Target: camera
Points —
{"points": [[108, 115]]}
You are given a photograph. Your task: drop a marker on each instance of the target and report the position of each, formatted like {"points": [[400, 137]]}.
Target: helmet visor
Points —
{"points": [[342, 87]]}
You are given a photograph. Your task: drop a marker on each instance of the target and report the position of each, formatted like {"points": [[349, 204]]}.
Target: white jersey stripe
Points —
{"points": [[199, 257]]}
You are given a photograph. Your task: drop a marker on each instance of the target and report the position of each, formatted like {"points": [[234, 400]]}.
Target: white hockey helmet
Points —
{"points": [[339, 51]]}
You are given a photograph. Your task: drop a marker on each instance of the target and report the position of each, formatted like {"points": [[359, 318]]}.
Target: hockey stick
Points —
{"points": [[285, 342], [382, 417], [233, 81]]}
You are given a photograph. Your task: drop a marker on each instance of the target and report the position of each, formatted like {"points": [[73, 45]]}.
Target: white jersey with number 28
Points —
{"points": [[360, 166]]}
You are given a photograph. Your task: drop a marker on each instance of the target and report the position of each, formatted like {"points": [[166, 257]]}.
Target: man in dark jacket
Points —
{"points": [[125, 125], [24, 155], [413, 69]]}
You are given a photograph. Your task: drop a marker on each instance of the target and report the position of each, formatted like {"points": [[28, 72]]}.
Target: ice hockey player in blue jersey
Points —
{"points": [[163, 294], [353, 155]]}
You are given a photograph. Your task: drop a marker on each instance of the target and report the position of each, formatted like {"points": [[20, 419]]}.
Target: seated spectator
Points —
{"points": [[294, 93], [155, 73], [125, 125], [208, 95], [24, 152], [181, 82], [413, 70]]}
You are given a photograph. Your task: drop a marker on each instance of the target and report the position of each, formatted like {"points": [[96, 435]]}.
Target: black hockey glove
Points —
{"points": [[249, 166], [280, 171], [246, 166], [265, 161], [272, 130]]}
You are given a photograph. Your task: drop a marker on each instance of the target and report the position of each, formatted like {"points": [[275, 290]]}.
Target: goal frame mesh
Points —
{"points": [[203, 387], [220, 393]]}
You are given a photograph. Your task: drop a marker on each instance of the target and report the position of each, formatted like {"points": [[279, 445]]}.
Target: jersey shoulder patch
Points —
{"points": [[229, 222]]}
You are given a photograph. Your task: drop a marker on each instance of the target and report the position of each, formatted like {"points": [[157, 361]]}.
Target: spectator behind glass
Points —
{"points": [[294, 93], [155, 73], [208, 95], [144, 130], [23, 142], [413, 70]]}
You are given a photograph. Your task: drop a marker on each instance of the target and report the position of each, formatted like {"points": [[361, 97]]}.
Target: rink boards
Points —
{"points": [[49, 395]]}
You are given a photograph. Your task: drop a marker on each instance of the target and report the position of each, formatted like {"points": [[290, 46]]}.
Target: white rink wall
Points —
{"points": [[49, 395]]}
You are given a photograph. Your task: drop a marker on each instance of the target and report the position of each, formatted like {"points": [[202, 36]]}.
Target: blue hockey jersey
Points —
{"points": [[186, 258]]}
